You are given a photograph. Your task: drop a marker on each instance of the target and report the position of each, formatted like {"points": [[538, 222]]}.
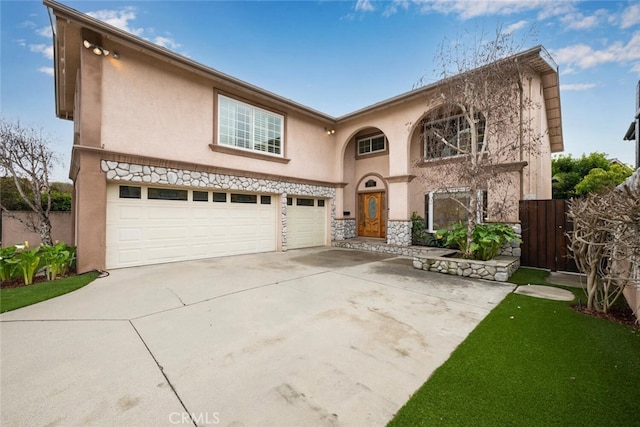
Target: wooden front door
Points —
{"points": [[371, 215]]}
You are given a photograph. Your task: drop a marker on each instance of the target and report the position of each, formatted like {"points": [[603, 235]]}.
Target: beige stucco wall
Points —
{"points": [[537, 176], [405, 150], [14, 232], [146, 110], [152, 108]]}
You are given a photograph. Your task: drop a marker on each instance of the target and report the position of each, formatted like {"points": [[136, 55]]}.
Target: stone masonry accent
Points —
{"points": [[127, 172], [512, 248], [498, 269], [345, 229], [399, 232]]}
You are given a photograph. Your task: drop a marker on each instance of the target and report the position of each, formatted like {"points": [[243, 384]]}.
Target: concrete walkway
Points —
{"points": [[303, 338]]}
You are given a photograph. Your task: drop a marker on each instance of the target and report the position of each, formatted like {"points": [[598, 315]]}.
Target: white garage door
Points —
{"points": [[148, 225], [306, 222]]}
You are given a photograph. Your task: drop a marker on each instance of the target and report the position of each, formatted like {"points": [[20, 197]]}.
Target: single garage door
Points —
{"points": [[306, 222], [148, 225]]}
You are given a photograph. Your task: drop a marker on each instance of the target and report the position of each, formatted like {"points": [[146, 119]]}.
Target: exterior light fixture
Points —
{"points": [[98, 50], [329, 131]]}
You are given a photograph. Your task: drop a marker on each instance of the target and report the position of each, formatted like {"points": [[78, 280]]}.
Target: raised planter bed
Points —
{"points": [[498, 269]]}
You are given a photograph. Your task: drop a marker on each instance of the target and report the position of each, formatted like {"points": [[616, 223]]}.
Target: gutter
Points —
{"points": [[55, 62]]}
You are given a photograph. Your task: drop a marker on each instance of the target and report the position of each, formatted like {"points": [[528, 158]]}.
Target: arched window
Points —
{"points": [[448, 133]]}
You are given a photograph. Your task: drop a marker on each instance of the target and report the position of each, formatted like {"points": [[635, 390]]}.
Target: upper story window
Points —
{"points": [[371, 144], [247, 127], [450, 136]]}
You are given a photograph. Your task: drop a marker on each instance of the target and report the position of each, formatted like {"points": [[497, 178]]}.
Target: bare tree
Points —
{"points": [[478, 121], [605, 242], [26, 157]]}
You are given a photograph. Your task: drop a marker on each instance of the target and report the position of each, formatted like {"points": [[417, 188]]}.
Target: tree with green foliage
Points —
{"points": [[574, 177], [11, 200], [598, 178]]}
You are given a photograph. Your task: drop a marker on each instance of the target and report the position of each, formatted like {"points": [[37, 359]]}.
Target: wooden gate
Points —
{"points": [[544, 227]]}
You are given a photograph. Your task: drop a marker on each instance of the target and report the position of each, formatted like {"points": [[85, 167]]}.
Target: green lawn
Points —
{"points": [[534, 362], [11, 299]]}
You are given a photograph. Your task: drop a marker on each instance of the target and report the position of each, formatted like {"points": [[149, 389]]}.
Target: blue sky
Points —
{"points": [[339, 56]]}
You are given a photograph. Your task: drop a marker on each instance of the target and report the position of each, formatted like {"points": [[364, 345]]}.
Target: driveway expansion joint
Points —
{"points": [[186, 411]]}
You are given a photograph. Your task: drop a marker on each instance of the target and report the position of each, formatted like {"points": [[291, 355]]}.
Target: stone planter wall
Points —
{"points": [[498, 269], [512, 248]]}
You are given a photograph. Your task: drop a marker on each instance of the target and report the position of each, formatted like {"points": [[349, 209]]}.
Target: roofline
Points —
{"points": [[164, 54], [631, 133], [409, 95], [167, 55]]}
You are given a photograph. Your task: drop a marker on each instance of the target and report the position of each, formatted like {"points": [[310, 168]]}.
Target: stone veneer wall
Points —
{"points": [[513, 248], [375, 247], [498, 269], [399, 232], [345, 229], [129, 172]]}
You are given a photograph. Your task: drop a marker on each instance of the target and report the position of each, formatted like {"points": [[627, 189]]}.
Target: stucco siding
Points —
{"points": [[151, 108], [15, 232]]}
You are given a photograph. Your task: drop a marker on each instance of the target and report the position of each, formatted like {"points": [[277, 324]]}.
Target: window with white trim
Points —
{"points": [[371, 144], [445, 207], [451, 136], [247, 127]]}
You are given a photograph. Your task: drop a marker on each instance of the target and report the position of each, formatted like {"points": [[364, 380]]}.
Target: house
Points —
{"points": [[173, 160], [633, 132]]}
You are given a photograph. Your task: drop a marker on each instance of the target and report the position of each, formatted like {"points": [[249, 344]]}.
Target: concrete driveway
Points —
{"points": [[302, 338]]}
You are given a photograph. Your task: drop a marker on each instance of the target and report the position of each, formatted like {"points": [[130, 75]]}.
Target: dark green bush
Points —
{"points": [[419, 234]]}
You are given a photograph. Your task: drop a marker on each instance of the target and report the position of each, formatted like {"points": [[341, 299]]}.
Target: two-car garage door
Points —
{"points": [[154, 225], [147, 225]]}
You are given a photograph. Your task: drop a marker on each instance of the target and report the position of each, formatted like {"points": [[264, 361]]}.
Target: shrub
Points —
{"points": [[488, 238], [419, 234]]}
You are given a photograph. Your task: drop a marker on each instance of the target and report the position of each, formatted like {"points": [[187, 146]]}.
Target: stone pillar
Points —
{"points": [[399, 232], [345, 228], [399, 223]]}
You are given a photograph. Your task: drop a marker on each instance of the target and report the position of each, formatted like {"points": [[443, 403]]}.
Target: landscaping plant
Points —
{"points": [[419, 234], [21, 260], [8, 269], [487, 239], [57, 259], [605, 242], [26, 260]]}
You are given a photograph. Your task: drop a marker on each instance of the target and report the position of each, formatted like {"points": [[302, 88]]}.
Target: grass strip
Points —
{"points": [[535, 362], [14, 298]]}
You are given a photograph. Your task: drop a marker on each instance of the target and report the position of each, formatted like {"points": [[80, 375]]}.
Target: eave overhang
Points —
{"points": [[67, 42], [537, 58]]}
